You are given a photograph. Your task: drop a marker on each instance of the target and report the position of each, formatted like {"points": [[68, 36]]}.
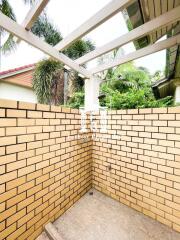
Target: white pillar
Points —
{"points": [[92, 93], [177, 94], [176, 83]]}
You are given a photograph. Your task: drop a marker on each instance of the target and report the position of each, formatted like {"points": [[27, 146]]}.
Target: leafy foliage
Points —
{"points": [[135, 99], [127, 87], [77, 100], [130, 87]]}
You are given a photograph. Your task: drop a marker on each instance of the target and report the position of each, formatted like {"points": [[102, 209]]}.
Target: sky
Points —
{"points": [[67, 15]]}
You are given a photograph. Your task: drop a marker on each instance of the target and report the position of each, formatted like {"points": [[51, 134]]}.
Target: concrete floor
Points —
{"points": [[98, 217]]}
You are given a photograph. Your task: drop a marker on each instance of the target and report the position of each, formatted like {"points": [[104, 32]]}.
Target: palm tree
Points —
{"points": [[45, 29], [42, 27]]}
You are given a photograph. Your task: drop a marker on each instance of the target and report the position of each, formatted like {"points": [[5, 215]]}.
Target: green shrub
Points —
{"points": [[126, 87], [77, 100]]}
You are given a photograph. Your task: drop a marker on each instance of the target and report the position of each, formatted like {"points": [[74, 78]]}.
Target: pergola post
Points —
{"points": [[92, 93], [177, 92]]}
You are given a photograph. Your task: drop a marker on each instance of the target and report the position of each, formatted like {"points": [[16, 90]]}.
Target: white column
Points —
{"points": [[92, 93], [177, 94], [176, 83]]}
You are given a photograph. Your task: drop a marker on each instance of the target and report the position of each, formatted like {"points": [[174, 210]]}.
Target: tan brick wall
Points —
{"points": [[44, 168], [137, 162]]}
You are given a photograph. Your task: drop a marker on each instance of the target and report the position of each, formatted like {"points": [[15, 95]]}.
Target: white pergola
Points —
{"points": [[92, 82]]}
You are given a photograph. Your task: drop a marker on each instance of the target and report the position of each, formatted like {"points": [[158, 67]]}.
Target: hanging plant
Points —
{"points": [[48, 81]]}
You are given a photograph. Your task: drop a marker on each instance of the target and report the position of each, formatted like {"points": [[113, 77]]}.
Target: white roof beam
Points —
{"points": [[163, 20], [100, 17], [19, 31], [170, 42], [34, 13]]}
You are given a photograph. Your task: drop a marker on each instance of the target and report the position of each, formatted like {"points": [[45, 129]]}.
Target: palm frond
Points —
{"points": [[45, 29], [9, 45], [79, 48], [6, 9]]}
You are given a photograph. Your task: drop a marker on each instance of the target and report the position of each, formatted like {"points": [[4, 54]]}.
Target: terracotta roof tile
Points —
{"points": [[16, 69]]}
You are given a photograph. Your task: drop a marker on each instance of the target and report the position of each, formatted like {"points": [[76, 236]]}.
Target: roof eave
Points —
{"points": [[16, 72]]}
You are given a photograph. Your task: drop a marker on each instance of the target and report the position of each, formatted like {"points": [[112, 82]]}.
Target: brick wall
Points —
{"points": [[137, 162], [44, 168]]}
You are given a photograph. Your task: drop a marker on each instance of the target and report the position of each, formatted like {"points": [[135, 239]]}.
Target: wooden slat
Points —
{"points": [[158, 12], [170, 6], [152, 15], [164, 7], [19, 31], [139, 53], [145, 10], [34, 13], [177, 3], [100, 17], [141, 31], [157, 8]]}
